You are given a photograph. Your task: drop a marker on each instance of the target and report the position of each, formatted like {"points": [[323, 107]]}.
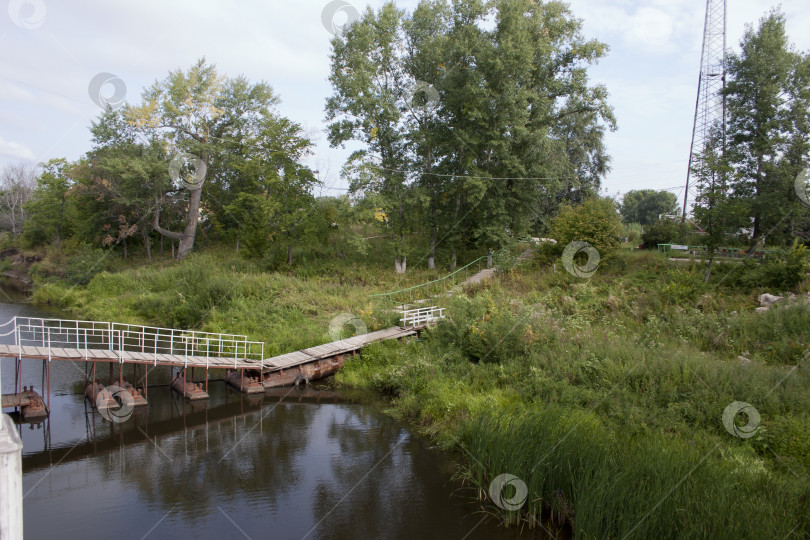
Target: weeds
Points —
{"points": [[604, 396]]}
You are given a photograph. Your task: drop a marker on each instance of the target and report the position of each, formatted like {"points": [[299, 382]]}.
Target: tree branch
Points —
{"points": [[161, 230]]}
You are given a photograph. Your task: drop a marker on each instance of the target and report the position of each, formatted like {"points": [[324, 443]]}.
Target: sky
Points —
{"points": [[54, 57]]}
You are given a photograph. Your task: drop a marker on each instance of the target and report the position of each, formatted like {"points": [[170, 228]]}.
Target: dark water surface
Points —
{"points": [[311, 464]]}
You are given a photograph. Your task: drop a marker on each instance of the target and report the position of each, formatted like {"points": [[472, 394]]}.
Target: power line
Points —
{"points": [[470, 177]]}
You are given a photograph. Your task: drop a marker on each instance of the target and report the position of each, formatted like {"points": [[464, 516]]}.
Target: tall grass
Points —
{"points": [[610, 485], [606, 398], [211, 292]]}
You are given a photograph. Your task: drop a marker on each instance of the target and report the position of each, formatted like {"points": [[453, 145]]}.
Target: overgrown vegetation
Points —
{"points": [[601, 395], [476, 124], [219, 291], [606, 396]]}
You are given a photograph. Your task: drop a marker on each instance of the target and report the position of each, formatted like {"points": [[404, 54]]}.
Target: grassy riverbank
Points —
{"points": [[218, 291], [604, 396]]}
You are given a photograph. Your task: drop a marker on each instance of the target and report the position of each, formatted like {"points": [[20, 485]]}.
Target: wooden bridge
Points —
{"points": [[120, 344]]}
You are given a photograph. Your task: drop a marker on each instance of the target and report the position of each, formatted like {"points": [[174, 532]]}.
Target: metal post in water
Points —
{"points": [[11, 495]]}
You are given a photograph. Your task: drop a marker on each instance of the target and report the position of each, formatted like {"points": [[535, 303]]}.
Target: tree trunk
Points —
{"points": [[59, 223], [456, 211], [464, 231], [237, 244], [13, 219], [161, 246], [400, 264], [172, 249], [193, 216], [755, 233], [125, 248], [186, 238], [433, 212], [289, 255], [489, 258], [147, 244], [432, 256], [709, 269]]}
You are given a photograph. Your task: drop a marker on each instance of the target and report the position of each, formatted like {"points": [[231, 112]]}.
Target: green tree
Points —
{"points": [[797, 155], [117, 184], [479, 131], [369, 83], [50, 209], [666, 231], [595, 221], [209, 116], [426, 43], [646, 205], [340, 225], [713, 207], [764, 117], [274, 200], [522, 115]]}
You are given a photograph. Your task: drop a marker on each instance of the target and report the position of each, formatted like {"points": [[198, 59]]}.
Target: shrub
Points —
{"points": [[780, 272], [788, 437], [665, 232], [84, 264], [483, 330], [633, 233], [595, 221]]}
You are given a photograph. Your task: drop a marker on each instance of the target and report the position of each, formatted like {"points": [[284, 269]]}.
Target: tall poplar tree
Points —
{"points": [[760, 127]]}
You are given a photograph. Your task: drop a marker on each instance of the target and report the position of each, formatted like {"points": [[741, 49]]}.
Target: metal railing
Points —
{"points": [[118, 337], [722, 251], [421, 316], [436, 284]]}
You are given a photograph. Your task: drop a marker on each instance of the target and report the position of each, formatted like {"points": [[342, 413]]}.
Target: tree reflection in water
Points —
{"points": [[280, 468]]}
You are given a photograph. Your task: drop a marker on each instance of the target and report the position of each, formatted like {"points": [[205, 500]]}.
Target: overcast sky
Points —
{"points": [[51, 51]]}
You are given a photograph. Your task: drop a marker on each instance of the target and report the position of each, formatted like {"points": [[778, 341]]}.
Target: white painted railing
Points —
{"points": [[421, 316], [118, 337]]}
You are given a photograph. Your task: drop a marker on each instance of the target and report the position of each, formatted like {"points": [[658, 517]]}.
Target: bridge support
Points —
{"points": [[11, 496]]}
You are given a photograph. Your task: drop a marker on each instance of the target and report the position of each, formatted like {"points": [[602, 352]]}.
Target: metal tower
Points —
{"points": [[710, 106]]}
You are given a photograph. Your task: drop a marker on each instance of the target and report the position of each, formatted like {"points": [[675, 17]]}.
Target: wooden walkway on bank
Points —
{"points": [[283, 361], [249, 371], [343, 346]]}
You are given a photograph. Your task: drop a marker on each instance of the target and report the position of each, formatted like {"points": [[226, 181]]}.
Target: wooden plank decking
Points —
{"points": [[334, 348], [16, 400], [128, 357]]}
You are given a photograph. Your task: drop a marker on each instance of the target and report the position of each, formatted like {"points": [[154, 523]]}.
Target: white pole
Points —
{"points": [[11, 494]]}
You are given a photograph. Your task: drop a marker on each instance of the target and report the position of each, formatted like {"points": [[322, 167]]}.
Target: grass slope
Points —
{"points": [[604, 396]]}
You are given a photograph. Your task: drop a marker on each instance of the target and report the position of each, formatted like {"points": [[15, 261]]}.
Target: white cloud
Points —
{"points": [[11, 91], [15, 150], [651, 71]]}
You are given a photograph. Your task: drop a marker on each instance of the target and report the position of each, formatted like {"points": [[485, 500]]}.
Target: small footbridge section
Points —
{"points": [[145, 348]]}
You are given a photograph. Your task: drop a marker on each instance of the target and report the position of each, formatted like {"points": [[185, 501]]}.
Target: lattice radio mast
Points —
{"points": [[710, 106]]}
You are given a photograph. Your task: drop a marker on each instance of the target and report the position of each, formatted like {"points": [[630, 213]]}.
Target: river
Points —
{"points": [[293, 464]]}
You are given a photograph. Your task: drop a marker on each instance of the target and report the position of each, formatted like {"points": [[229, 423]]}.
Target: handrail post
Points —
{"points": [[11, 480]]}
